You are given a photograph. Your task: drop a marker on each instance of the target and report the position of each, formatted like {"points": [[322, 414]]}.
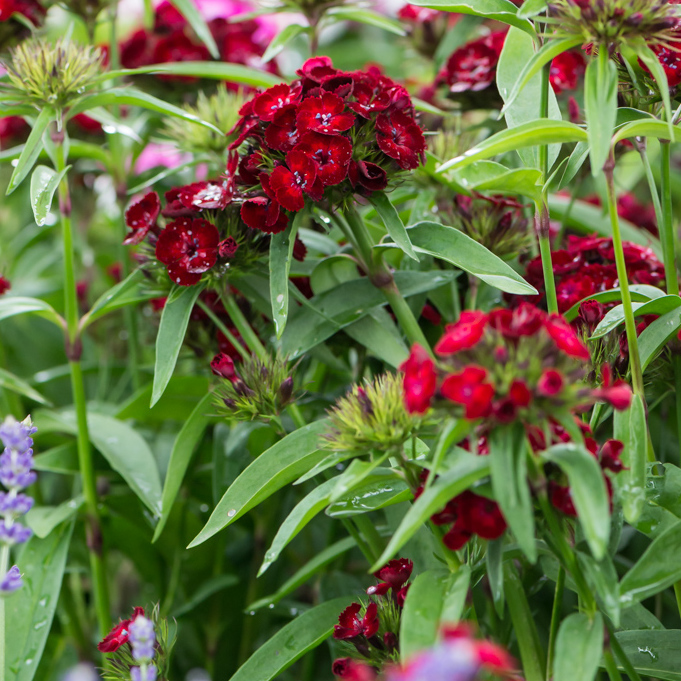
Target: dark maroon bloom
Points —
{"points": [[396, 572], [566, 69], [289, 183], [618, 393], [227, 248], [332, 155], [118, 636], [481, 516], [368, 175], [283, 134], [188, 248], [457, 537], [400, 137], [401, 595], [266, 105], [550, 383], [610, 456], [264, 214], [378, 589], [141, 217], [206, 195], [561, 498], [177, 46], [431, 314], [350, 626], [12, 127], [222, 365], [420, 380], [325, 114], [174, 207], [299, 249], [4, 285]]}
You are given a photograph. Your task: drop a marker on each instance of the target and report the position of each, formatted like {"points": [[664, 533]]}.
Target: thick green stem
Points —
{"points": [[73, 350], [371, 535], [382, 278], [555, 619], [666, 225], [542, 228], [611, 665], [629, 321], [621, 656], [241, 323]]}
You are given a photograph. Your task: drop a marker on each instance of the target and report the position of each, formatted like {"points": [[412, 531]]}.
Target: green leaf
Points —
{"points": [[62, 459], [174, 321], [366, 16], [44, 519], [195, 19], [648, 127], [519, 48], [434, 598], [297, 519], [490, 176], [655, 654], [589, 493], [378, 333], [600, 108], [640, 293], [535, 133], [186, 442], [508, 463], [283, 38], [578, 647], [499, 10], [354, 475], [630, 427], [494, 559], [126, 292], [15, 305], [281, 254], [615, 317], [323, 558], [44, 183], [30, 611], [655, 336], [9, 381], [32, 149], [658, 568], [278, 466], [234, 73], [132, 97], [652, 61], [462, 474], [392, 222], [531, 8], [298, 637], [457, 248], [380, 489], [207, 589], [126, 451]]}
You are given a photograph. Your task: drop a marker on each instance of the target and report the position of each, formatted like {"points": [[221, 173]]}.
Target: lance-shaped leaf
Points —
{"points": [[32, 148], [393, 223], [44, 183]]}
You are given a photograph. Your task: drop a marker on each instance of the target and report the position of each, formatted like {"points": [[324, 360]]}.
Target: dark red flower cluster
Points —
{"points": [[326, 135], [504, 366], [375, 634], [12, 128], [631, 209], [31, 9], [587, 266], [172, 40], [118, 636], [566, 70]]}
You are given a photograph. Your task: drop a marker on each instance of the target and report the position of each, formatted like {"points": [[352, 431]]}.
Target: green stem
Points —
{"points": [[629, 321], [624, 661], [382, 278], [73, 349], [544, 113], [666, 225], [225, 331], [452, 559], [371, 535], [611, 665], [542, 228], [4, 565], [241, 323], [359, 540], [555, 619]]}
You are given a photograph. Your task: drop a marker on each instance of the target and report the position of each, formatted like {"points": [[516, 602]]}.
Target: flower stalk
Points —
{"points": [[666, 224]]}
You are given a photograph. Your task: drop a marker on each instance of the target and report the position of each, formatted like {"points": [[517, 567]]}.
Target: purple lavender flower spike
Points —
{"points": [[14, 534], [149, 675], [11, 581], [142, 639], [14, 504], [17, 435]]}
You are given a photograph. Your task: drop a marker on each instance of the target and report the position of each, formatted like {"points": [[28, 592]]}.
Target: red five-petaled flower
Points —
{"points": [[331, 153], [188, 248], [565, 338], [470, 389], [141, 217], [396, 572], [464, 334], [350, 626], [420, 380], [288, 184], [400, 138], [118, 636], [266, 105], [264, 212], [325, 114]]}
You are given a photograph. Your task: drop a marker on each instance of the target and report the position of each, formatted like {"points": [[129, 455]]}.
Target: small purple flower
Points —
{"points": [[15, 469], [149, 674], [14, 504], [14, 534], [142, 638], [11, 581], [17, 435]]}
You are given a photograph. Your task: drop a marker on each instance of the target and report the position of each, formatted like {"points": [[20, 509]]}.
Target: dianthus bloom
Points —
{"points": [[119, 635]]}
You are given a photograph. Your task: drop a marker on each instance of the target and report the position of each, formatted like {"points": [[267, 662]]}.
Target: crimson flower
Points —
{"points": [[565, 338], [519, 393], [566, 69], [367, 175], [288, 184], [206, 195], [550, 383], [283, 133], [118, 636], [464, 334], [400, 137], [141, 217], [420, 380], [188, 248], [270, 102], [350, 626], [223, 365], [481, 516], [332, 155], [618, 393], [396, 572], [325, 114], [4, 285], [470, 389]]}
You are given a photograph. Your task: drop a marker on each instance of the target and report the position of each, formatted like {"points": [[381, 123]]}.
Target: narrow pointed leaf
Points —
{"points": [[578, 647], [283, 38], [44, 183], [600, 107], [654, 654], [366, 16], [195, 19], [393, 223], [9, 381], [281, 254], [31, 150]]}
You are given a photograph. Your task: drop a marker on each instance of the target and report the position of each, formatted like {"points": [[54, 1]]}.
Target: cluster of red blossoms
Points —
{"points": [[504, 366], [172, 40], [118, 636], [327, 134], [587, 266], [374, 635]]}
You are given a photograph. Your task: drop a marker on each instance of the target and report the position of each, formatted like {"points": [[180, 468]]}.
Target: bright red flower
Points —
{"points": [[4, 285], [550, 383], [420, 380], [370, 94], [493, 657], [352, 670], [206, 195], [325, 114], [350, 626], [481, 516], [565, 338], [118, 636], [470, 389], [561, 498], [618, 393], [519, 393], [188, 248], [141, 217], [400, 138], [270, 102], [524, 320], [263, 214], [317, 69], [332, 155], [566, 70], [671, 63], [282, 134], [396, 572], [457, 537], [610, 456], [464, 334], [288, 184]]}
